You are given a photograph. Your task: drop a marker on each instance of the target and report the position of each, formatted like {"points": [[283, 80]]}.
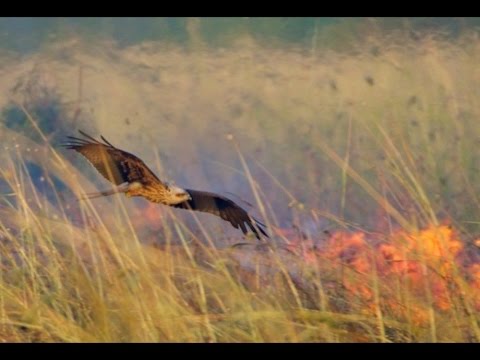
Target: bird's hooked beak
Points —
{"points": [[180, 194]]}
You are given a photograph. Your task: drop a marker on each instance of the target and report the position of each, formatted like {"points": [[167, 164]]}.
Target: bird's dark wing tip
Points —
{"points": [[75, 142], [257, 228]]}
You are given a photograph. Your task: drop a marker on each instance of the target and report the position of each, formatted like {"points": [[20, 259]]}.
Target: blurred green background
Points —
{"points": [[28, 34]]}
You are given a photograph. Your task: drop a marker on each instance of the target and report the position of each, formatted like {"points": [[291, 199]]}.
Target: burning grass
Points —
{"points": [[362, 165]]}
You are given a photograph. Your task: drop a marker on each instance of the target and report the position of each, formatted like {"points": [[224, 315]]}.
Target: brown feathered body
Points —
{"points": [[154, 193], [134, 178]]}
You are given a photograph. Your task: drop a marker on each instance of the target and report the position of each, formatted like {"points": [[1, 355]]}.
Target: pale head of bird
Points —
{"points": [[177, 195]]}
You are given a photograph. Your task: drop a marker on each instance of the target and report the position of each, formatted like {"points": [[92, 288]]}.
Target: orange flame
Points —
{"points": [[425, 262]]}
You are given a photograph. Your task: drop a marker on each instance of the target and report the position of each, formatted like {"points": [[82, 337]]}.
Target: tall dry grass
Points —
{"points": [[363, 165]]}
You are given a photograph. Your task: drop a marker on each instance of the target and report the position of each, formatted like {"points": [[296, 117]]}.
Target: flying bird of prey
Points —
{"points": [[134, 178]]}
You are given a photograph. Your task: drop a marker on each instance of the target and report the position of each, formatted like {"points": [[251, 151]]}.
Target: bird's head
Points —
{"points": [[177, 195]]}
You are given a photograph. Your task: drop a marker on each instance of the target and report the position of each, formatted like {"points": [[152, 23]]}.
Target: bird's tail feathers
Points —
{"points": [[103, 193]]}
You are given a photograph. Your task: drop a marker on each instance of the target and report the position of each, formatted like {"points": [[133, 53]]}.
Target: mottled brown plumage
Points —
{"points": [[134, 178]]}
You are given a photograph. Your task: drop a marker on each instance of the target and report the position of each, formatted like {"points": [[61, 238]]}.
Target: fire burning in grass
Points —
{"points": [[428, 262], [399, 146]]}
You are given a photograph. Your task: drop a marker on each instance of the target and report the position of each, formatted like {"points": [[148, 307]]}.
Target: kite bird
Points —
{"points": [[134, 178]]}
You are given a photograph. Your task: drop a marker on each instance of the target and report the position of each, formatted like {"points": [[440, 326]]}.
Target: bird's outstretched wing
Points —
{"points": [[115, 165], [120, 167], [223, 207]]}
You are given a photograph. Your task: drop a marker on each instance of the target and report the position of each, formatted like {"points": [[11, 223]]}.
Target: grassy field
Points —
{"points": [[363, 164]]}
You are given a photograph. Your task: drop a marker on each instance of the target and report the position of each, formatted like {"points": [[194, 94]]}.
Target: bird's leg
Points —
{"points": [[239, 244], [119, 189]]}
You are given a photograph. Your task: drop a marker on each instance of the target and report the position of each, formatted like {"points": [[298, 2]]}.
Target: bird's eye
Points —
{"points": [[179, 195]]}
